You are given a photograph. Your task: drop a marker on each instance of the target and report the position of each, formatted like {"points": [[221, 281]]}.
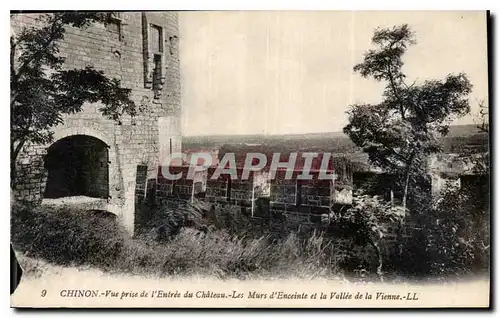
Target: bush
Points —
{"points": [[66, 236], [224, 243], [450, 239], [71, 237], [457, 234]]}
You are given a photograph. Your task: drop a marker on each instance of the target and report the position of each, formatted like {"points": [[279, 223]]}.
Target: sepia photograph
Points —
{"points": [[250, 159]]}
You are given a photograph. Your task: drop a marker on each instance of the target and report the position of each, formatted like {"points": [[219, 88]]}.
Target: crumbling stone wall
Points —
{"points": [[124, 51], [285, 201], [296, 202]]}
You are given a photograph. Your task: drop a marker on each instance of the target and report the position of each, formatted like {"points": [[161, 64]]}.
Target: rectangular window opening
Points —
{"points": [[114, 25], [157, 72], [156, 39]]}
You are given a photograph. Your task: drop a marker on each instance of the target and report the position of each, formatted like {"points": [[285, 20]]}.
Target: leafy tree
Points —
{"points": [[42, 90], [402, 130]]}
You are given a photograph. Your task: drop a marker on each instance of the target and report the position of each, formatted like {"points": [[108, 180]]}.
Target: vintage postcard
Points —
{"points": [[250, 159]]}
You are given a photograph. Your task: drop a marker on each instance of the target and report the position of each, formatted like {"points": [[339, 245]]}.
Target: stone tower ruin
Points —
{"points": [[95, 157]]}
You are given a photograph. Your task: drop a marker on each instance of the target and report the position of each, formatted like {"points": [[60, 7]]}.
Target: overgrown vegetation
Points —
{"points": [[74, 238], [399, 134], [458, 231], [453, 240]]}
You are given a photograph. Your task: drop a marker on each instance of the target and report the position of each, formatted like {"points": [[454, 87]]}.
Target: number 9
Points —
{"points": [[44, 292]]}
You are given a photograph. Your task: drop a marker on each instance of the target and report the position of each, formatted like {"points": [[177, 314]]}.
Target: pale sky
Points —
{"points": [[281, 72]]}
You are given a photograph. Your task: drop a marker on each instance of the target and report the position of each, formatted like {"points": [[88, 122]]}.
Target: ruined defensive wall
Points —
{"points": [[286, 202], [297, 202]]}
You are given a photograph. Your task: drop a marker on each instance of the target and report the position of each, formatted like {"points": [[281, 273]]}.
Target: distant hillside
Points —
{"points": [[459, 137], [463, 130], [216, 141]]}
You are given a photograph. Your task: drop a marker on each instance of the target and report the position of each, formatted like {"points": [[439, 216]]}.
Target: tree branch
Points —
{"points": [[49, 41], [402, 108], [397, 154], [396, 93], [13, 74], [18, 149], [12, 57]]}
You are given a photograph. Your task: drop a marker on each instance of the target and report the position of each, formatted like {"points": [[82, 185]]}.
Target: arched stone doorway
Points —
{"points": [[77, 165]]}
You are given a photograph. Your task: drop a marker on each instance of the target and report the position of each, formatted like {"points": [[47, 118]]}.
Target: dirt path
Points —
{"points": [[54, 286]]}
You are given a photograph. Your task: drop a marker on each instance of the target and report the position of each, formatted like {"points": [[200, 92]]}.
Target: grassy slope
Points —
{"points": [[65, 237]]}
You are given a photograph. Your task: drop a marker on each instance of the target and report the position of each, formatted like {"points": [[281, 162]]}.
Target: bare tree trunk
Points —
{"points": [[405, 190], [407, 178], [14, 153], [405, 196], [380, 274]]}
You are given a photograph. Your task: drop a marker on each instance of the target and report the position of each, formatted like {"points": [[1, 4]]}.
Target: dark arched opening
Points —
{"points": [[77, 165]]}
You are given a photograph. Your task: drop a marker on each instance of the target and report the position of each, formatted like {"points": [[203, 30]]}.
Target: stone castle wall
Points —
{"points": [[298, 201], [288, 202], [123, 50]]}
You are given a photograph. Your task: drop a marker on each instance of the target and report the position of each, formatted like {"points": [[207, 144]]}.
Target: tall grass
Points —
{"points": [[70, 237]]}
